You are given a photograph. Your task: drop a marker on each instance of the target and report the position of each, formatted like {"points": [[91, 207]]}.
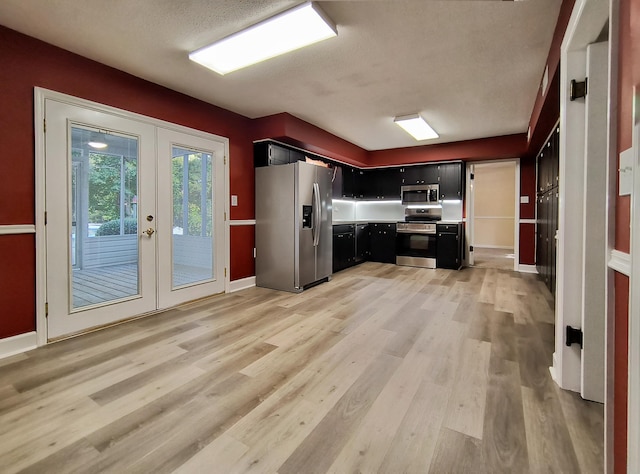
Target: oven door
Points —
{"points": [[416, 249]]}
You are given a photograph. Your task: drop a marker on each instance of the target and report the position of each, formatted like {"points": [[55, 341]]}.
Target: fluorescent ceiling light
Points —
{"points": [[416, 126], [290, 30]]}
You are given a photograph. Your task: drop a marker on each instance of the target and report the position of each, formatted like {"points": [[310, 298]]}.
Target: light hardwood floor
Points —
{"points": [[384, 369], [499, 259]]}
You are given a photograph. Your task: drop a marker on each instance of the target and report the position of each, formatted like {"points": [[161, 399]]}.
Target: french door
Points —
{"points": [[135, 217]]}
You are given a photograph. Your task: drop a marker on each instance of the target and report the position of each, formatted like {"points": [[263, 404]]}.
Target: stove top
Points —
{"points": [[423, 214]]}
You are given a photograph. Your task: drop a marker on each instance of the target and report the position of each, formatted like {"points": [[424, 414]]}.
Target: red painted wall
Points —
{"points": [[294, 131], [242, 244], [527, 244], [26, 63], [528, 211], [553, 61], [509, 146], [17, 283]]}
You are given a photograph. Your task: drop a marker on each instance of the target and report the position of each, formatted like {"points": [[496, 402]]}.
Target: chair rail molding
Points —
{"points": [[17, 229]]}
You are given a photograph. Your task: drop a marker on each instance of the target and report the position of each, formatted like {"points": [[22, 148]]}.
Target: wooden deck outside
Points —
{"points": [[98, 285]]}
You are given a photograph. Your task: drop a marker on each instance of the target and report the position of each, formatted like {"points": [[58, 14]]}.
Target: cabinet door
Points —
{"points": [[419, 174], [450, 180], [383, 243], [340, 252], [447, 250], [348, 181], [337, 184], [278, 155], [362, 242], [367, 184], [555, 161], [388, 182], [296, 155]]}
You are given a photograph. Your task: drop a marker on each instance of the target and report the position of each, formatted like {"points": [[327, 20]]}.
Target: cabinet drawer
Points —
{"points": [[343, 228], [453, 228]]}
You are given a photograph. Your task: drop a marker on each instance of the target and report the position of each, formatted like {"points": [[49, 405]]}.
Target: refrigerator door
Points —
{"points": [[305, 250], [276, 227], [324, 249]]}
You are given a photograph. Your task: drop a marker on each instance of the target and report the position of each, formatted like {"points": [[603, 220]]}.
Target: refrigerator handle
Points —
{"points": [[316, 214]]}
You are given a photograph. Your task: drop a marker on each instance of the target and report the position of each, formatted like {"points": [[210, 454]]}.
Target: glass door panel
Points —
{"points": [[107, 269], [191, 170], [192, 231]]}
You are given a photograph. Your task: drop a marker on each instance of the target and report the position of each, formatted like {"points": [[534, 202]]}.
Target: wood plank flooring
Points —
{"points": [[384, 369]]}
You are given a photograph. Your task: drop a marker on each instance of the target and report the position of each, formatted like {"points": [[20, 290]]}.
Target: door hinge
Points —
{"points": [[225, 216], [573, 336], [471, 176], [225, 160], [578, 90], [470, 248], [44, 123], [225, 271], [46, 310], [45, 217]]}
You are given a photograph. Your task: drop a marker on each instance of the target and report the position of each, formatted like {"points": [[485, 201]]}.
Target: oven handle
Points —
{"points": [[426, 232]]}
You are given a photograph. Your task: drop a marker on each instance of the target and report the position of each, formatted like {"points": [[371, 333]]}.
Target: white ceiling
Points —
{"points": [[471, 68]]}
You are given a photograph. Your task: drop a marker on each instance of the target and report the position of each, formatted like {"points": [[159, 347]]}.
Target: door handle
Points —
{"points": [[316, 213], [149, 232]]}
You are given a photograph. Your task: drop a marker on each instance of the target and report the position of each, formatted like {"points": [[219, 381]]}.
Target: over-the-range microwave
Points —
{"points": [[420, 194]]}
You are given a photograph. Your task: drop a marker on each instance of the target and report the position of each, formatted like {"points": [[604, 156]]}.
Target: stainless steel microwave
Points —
{"points": [[420, 194]]}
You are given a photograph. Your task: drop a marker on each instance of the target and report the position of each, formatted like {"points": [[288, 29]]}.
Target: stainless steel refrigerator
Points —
{"points": [[293, 226]]}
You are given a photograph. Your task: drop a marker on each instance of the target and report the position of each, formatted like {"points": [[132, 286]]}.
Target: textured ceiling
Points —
{"points": [[471, 68]]}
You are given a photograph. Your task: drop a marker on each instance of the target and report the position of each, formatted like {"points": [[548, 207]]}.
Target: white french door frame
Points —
{"points": [[40, 96], [470, 211]]}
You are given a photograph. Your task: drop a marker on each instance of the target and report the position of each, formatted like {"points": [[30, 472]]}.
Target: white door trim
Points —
{"points": [[586, 22], [40, 95], [516, 218]]}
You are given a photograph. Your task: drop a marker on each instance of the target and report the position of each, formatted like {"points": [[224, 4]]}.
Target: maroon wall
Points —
{"points": [[509, 146], [242, 245], [528, 211], [27, 63], [17, 283], [553, 62], [294, 131]]}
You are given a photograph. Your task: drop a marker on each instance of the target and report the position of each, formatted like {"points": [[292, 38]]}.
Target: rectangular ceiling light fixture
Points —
{"points": [[416, 126], [290, 30]]}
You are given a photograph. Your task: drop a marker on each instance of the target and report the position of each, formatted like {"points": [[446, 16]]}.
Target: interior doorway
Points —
{"points": [[493, 214], [135, 215]]}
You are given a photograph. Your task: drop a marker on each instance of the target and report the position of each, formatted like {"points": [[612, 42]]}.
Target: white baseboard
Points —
{"points": [[527, 268], [552, 371], [237, 285], [16, 344]]}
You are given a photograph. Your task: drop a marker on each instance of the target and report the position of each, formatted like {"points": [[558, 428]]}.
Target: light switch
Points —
{"points": [[234, 200], [524, 199], [626, 172]]}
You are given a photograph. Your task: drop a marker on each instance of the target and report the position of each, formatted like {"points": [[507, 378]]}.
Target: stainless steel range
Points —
{"points": [[416, 237]]}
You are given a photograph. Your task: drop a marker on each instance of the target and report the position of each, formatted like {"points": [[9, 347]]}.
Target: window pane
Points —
{"points": [[104, 236], [192, 216]]}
